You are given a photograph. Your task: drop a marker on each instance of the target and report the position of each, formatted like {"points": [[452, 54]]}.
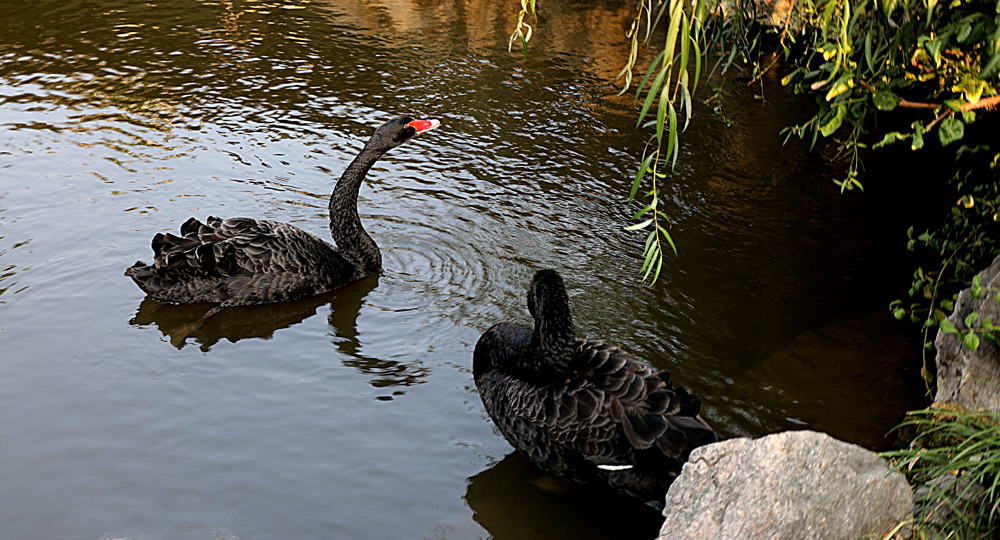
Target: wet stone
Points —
{"points": [[789, 485]]}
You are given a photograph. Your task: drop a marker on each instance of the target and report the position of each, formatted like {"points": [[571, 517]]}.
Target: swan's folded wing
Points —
{"points": [[642, 403], [244, 246]]}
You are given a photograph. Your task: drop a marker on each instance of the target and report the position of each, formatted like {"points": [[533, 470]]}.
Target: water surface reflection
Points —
{"points": [[512, 500]]}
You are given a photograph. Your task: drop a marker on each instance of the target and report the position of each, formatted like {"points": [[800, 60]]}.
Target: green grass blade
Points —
{"points": [[868, 51]]}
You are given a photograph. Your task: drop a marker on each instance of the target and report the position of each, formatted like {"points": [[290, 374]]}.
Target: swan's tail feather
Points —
{"points": [[205, 256], [138, 271], [198, 251], [192, 225], [667, 418], [690, 404], [226, 259]]}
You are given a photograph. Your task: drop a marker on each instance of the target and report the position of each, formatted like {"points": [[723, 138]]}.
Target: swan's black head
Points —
{"points": [[399, 130], [547, 296], [554, 336]]}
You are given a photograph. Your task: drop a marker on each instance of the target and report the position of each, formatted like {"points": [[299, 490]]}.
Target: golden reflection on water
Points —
{"points": [[596, 34]]}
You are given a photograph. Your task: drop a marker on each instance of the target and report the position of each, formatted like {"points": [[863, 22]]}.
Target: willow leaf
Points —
{"points": [[667, 236], [650, 238], [654, 251], [638, 226], [638, 177], [656, 275], [685, 43], [672, 136], [697, 64], [649, 73], [685, 100], [676, 10], [650, 253], [653, 90], [661, 114], [642, 212], [663, 8]]}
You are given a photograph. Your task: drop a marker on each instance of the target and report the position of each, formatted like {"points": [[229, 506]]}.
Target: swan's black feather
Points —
{"points": [[602, 419], [240, 261]]}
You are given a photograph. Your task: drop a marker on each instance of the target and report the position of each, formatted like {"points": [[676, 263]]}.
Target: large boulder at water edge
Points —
{"points": [[789, 485], [964, 376]]}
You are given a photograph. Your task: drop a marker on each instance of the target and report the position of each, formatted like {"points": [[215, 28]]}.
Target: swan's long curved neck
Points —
{"points": [[345, 224], [554, 338]]}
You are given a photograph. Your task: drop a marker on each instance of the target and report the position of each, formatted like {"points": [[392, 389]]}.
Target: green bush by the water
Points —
{"points": [[956, 453]]}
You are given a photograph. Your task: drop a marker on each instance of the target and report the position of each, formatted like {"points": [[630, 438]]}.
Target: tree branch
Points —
{"points": [[985, 103]]}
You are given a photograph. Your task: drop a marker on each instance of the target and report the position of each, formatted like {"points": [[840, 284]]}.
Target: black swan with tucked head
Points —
{"points": [[584, 411], [244, 261]]}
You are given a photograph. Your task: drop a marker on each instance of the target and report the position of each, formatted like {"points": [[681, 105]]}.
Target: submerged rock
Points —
{"points": [[964, 376], [789, 485]]}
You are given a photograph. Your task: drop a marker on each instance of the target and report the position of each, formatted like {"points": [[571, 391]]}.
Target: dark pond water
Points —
{"points": [[355, 415]]}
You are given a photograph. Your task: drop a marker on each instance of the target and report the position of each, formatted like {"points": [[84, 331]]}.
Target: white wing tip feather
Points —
{"points": [[614, 467]]}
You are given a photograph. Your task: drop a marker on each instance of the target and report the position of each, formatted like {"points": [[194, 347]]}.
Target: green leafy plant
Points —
{"points": [[962, 245], [956, 454], [929, 64], [970, 334]]}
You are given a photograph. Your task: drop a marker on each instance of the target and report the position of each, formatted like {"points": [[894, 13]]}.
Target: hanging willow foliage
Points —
{"points": [[933, 64], [672, 84], [694, 31]]}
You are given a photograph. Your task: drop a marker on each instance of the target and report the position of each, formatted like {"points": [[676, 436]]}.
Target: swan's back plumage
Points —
{"points": [[607, 421], [240, 261]]}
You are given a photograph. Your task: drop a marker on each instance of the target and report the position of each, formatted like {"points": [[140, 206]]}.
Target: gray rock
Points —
{"points": [[971, 378], [789, 485]]}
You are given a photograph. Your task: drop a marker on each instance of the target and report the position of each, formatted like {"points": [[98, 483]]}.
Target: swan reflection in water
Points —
{"points": [[514, 500], [262, 321]]}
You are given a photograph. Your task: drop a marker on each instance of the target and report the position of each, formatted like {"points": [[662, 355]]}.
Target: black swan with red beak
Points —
{"points": [[245, 261], [585, 411]]}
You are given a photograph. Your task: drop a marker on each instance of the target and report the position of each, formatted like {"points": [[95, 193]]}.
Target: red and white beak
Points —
{"points": [[424, 125]]}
